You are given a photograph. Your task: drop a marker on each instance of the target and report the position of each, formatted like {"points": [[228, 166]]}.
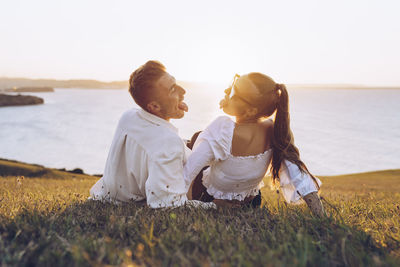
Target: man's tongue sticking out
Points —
{"points": [[183, 106]]}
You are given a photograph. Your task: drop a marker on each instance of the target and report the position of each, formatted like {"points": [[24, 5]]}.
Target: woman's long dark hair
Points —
{"points": [[277, 100]]}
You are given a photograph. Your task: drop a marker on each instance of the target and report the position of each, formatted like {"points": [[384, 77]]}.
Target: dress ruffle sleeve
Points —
{"points": [[219, 136], [295, 184]]}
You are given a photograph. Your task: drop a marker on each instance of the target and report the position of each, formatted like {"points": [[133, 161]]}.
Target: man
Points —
{"points": [[146, 157]]}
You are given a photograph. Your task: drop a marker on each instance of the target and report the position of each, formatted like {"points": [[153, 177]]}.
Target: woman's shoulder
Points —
{"points": [[268, 123], [268, 126]]}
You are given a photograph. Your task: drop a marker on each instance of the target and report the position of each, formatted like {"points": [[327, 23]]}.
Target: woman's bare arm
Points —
{"points": [[314, 203]]}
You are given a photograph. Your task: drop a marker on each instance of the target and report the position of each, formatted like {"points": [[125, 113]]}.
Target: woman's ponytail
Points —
{"points": [[283, 141], [277, 100]]}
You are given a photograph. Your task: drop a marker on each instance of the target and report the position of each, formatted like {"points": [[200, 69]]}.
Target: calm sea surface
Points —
{"points": [[337, 131]]}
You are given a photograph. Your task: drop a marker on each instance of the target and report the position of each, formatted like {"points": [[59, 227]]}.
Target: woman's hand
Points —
{"points": [[314, 203]]}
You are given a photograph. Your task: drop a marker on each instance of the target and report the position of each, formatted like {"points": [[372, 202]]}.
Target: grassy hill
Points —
{"points": [[46, 219]]}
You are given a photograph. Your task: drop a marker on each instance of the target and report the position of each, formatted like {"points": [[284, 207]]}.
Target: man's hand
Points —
{"points": [[227, 203]]}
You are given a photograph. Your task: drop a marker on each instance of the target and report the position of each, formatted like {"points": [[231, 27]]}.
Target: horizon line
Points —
{"points": [[353, 85]]}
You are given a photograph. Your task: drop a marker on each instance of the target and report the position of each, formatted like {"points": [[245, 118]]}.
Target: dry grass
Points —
{"points": [[48, 221]]}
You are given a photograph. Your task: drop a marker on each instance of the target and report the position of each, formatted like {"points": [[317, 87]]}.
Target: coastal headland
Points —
{"points": [[16, 168], [19, 100]]}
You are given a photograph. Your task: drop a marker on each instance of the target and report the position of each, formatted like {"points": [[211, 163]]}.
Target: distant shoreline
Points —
{"points": [[6, 83], [29, 90]]}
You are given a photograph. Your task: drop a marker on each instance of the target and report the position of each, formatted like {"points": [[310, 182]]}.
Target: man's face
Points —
{"points": [[169, 98]]}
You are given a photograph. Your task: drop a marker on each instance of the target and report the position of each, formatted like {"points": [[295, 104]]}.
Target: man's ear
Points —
{"points": [[153, 107]]}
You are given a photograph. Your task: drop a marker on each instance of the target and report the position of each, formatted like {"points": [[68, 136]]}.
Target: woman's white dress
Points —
{"points": [[237, 177]]}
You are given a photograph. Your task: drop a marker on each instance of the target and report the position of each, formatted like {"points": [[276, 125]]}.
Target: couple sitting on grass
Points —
{"points": [[224, 165]]}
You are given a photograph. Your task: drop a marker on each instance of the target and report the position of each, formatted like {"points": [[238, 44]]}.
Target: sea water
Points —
{"points": [[338, 131]]}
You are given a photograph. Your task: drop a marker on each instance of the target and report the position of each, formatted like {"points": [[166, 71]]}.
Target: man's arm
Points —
{"points": [[165, 186]]}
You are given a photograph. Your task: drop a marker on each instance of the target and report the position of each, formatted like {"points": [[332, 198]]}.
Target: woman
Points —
{"points": [[240, 153]]}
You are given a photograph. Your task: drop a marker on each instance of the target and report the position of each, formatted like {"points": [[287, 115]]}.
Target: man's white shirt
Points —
{"points": [[145, 161]]}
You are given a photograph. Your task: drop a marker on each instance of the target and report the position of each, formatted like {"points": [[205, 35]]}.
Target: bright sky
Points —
{"points": [[308, 41]]}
